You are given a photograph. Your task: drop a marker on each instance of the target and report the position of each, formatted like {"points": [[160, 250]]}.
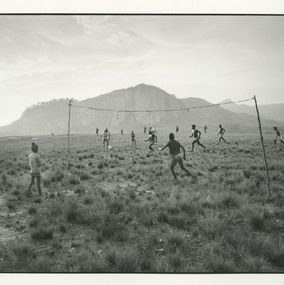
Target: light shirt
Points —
{"points": [[35, 162]]}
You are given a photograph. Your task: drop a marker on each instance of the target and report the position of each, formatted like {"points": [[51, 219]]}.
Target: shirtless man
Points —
{"points": [[197, 135], [152, 139], [133, 141], [221, 132], [278, 136], [174, 148]]}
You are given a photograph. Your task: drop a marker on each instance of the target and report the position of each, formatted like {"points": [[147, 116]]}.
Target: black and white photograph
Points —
{"points": [[141, 143]]}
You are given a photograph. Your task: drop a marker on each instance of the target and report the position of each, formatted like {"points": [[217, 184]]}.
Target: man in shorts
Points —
{"points": [[174, 148], [35, 163], [197, 135], [278, 136], [221, 132], [152, 139], [106, 138]]}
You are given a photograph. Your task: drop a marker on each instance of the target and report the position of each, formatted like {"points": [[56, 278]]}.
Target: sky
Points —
{"points": [[211, 57]]}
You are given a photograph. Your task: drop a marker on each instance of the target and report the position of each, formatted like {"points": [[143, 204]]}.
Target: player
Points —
{"points": [[106, 138], [145, 130], [121, 131], [197, 135], [205, 129], [278, 136], [174, 148], [97, 131], [221, 132], [177, 129], [152, 139], [133, 141], [35, 163]]}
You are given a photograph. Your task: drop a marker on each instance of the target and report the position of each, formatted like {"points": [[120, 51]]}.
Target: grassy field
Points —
{"points": [[123, 212]]}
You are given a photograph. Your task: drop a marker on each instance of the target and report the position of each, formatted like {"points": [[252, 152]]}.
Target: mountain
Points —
{"points": [[52, 117], [270, 111]]}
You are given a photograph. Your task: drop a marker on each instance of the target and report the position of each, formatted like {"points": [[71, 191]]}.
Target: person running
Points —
{"points": [[35, 164], [205, 129], [133, 141], [121, 131], [196, 134], [106, 138], [152, 139], [97, 131], [177, 129], [278, 136], [154, 131], [174, 148], [221, 132]]}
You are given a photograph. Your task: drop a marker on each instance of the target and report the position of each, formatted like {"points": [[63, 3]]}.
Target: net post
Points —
{"points": [[68, 142], [263, 148]]}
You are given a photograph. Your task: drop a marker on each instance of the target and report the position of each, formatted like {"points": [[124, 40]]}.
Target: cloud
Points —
{"points": [[52, 56]]}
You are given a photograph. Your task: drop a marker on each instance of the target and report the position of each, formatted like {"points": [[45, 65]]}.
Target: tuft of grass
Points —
{"points": [[42, 233], [88, 200], [116, 207], [32, 210]]}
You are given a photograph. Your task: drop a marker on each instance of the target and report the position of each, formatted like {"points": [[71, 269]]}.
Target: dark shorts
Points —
{"points": [[35, 175], [176, 159], [196, 140]]}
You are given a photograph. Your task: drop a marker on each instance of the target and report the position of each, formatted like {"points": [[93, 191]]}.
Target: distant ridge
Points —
{"points": [[51, 117], [271, 111]]}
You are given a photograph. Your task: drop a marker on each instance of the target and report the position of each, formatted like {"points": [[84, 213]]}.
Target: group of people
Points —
{"points": [[153, 139], [174, 148]]}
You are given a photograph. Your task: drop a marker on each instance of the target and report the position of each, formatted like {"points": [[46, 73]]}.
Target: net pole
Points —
{"points": [[263, 148], [68, 141]]}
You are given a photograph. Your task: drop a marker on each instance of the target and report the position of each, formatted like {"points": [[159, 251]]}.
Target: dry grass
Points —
{"points": [[123, 212]]}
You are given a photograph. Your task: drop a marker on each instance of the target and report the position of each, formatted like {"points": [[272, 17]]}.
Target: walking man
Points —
{"points": [[35, 163], [106, 138], [205, 129]]}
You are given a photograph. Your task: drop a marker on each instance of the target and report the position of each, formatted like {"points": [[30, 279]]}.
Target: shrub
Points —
{"points": [[77, 214], [74, 180], [230, 201], [115, 207], [257, 221], [218, 264], [42, 233], [32, 210], [277, 258], [128, 262], [85, 176], [111, 230], [88, 200]]}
